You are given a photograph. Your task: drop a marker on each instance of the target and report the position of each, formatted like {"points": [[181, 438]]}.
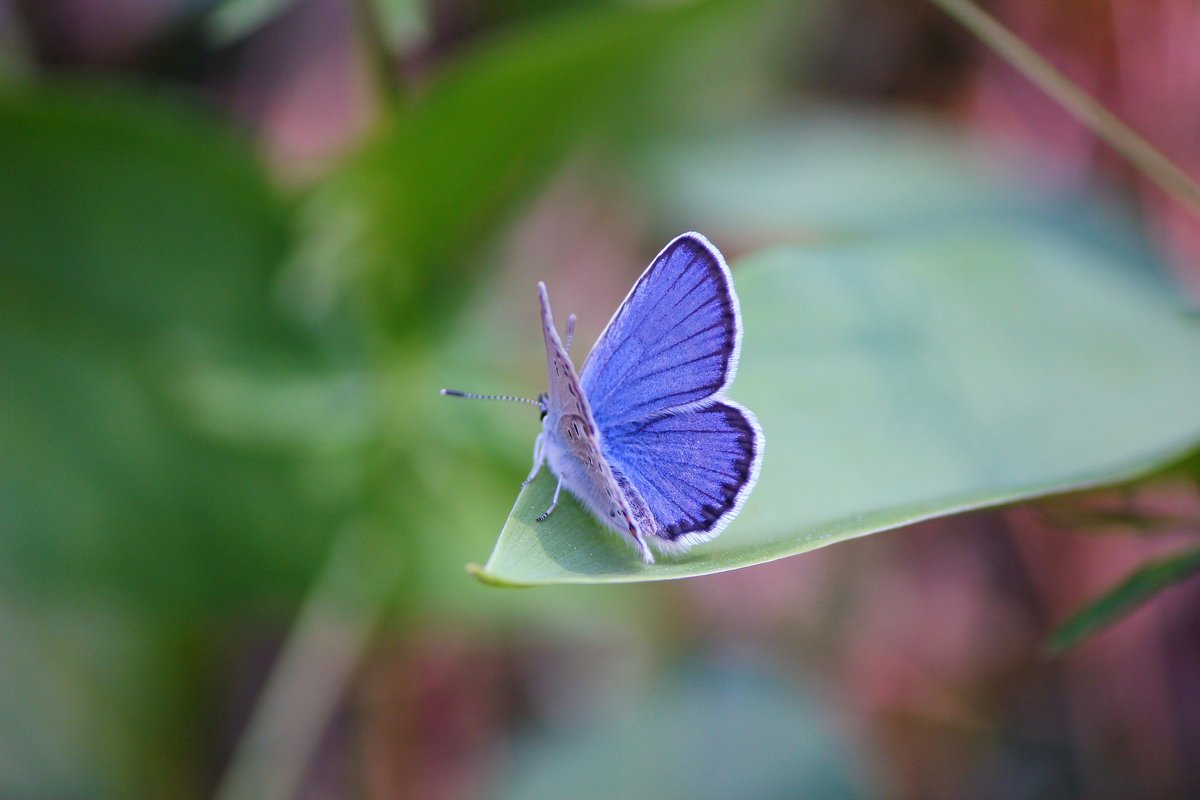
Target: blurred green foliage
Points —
{"points": [[137, 241], [398, 220], [206, 379], [198, 388]]}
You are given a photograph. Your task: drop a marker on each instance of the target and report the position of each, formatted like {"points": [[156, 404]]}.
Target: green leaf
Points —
{"points": [[832, 172], [914, 377], [1142, 585], [405, 213], [128, 210], [139, 245]]}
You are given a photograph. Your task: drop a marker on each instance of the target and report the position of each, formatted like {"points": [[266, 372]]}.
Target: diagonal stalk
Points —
{"points": [[306, 684], [1102, 122]]}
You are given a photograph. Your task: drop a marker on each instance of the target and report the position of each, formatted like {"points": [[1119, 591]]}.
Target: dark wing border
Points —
{"points": [[682, 539]]}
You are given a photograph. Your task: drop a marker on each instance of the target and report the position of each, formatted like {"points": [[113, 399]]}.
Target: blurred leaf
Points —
{"points": [[404, 22], [405, 214], [833, 172], [1142, 585], [134, 211], [915, 377], [135, 235], [139, 245], [708, 734]]}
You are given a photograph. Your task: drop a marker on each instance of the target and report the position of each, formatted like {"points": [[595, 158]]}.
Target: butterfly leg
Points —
{"points": [[539, 456], [553, 503]]}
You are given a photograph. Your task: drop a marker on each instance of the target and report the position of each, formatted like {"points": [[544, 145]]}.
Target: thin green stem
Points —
{"points": [[1139, 587], [1144, 156], [305, 686]]}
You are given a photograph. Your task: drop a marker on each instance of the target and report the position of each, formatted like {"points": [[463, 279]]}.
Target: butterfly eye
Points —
{"points": [[544, 403]]}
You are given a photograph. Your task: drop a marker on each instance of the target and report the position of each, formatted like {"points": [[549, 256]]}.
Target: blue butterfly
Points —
{"points": [[643, 436]]}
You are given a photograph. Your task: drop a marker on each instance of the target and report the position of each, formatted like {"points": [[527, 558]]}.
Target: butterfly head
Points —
{"points": [[543, 402]]}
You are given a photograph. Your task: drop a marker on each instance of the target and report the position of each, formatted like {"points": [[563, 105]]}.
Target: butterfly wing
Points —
{"points": [[564, 395], [573, 446], [692, 470], [653, 382], [673, 342]]}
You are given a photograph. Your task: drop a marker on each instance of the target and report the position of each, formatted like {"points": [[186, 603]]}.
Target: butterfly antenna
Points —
{"points": [[473, 396], [570, 331]]}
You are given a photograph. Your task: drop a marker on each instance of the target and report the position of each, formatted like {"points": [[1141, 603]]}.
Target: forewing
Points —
{"points": [[564, 394], [575, 428], [693, 470], [673, 343]]}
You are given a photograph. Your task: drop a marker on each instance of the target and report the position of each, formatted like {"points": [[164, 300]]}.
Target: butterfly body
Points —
{"points": [[570, 440], [643, 437]]}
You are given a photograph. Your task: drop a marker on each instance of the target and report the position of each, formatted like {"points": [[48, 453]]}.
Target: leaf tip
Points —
{"points": [[489, 579]]}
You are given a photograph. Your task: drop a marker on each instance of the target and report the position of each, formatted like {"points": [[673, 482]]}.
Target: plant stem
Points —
{"points": [[302, 693], [1148, 160], [1141, 585]]}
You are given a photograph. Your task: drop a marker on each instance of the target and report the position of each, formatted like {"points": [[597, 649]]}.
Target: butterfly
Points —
{"points": [[643, 435]]}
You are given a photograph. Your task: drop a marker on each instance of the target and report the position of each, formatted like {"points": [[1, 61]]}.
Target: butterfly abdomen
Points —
{"points": [[574, 455]]}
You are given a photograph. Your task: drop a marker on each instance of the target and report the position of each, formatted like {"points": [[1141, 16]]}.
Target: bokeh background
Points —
{"points": [[243, 243]]}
